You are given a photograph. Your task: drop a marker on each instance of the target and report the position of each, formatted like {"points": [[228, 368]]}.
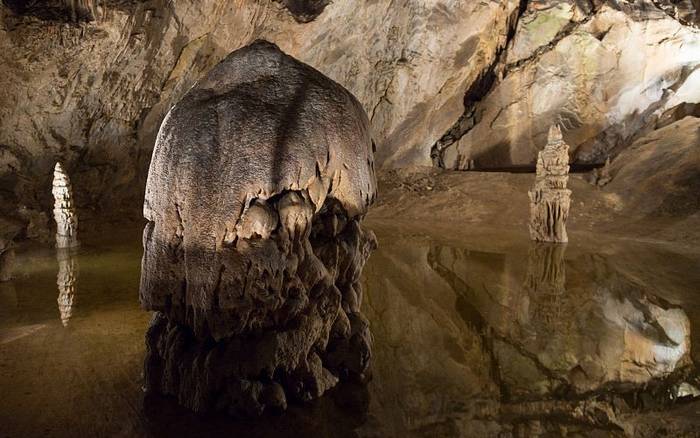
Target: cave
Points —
{"points": [[423, 218]]}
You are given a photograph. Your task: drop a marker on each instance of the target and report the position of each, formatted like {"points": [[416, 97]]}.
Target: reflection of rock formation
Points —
{"points": [[63, 210], [253, 249], [549, 198], [560, 333], [497, 339], [67, 276], [546, 279]]}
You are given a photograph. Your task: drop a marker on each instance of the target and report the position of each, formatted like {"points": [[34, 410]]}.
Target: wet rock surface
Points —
{"points": [[254, 249]]}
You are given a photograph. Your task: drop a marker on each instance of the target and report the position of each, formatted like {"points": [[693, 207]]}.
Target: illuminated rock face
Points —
{"points": [[63, 210], [253, 249], [549, 198]]}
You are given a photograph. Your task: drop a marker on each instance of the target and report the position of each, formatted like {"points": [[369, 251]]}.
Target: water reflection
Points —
{"points": [[482, 338], [550, 335], [66, 279]]}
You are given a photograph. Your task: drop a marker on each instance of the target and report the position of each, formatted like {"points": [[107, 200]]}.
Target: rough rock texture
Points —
{"points": [[607, 70], [462, 83], [64, 210], [253, 248], [107, 83], [549, 198], [65, 280]]}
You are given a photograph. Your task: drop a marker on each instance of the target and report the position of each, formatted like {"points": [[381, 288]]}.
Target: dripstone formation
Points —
{"points": [[549, 197], [65, 280], [253, 249], [63, 210]]}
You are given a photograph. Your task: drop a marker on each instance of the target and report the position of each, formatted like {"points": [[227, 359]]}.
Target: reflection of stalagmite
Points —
{"points": [[254, 247], [549, 198], [578, 327], [63, 209], [67, 276], [546, 282]]}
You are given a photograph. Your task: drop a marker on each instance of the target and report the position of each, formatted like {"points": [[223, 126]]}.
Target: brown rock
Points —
{"points": [[260, 177]]}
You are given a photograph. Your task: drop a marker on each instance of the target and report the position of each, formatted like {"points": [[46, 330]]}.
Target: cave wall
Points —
{"points": [[443, 81]]}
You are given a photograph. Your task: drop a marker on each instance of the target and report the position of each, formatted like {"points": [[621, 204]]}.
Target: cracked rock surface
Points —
{"points": [[253, 251], [606, 71]]}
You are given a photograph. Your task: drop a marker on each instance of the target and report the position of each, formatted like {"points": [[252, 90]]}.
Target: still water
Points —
{"points": [[475, 335]]}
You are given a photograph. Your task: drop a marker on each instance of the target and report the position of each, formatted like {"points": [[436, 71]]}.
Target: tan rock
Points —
{"points": [[549, 198]]}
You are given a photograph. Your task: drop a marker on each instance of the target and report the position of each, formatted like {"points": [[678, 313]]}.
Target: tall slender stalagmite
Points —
{"points": [[66, 278], [63, 210], [549, 198]]}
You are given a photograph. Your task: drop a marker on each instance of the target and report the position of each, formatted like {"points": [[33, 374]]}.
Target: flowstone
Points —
{"points": [[549, 197], [253, 249], [63, 210]]}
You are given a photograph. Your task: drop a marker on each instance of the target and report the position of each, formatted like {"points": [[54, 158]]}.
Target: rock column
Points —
{"points": [[549, 197], [63, 210], [66, 278]]}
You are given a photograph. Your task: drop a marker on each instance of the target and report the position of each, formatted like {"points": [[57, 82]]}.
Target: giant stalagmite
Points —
{"points": [[549, 198], [253, 249]]}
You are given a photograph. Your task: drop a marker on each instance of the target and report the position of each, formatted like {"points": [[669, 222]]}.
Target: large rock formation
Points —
{"points": [[549, 198], [253, 248]]}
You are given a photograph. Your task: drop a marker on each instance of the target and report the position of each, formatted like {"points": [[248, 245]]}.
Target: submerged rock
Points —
{"points": [[253, 249]]}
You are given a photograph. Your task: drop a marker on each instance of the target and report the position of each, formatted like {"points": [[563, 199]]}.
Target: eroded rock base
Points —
{"points": [[309, 333]]}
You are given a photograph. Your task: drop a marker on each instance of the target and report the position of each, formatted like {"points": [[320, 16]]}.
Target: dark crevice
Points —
{"points": [[481, 87], [671, 10], [305, 11]]}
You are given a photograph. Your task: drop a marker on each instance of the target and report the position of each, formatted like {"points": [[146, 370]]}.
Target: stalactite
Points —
{"points": [[63, 210], [549, 197]]}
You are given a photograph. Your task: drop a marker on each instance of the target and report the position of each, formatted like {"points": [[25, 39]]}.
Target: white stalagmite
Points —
{"points": [[66, 278], [63, 210], [549, 197]]}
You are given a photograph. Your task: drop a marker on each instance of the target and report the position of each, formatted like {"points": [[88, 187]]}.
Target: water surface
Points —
{"points": [[474, 335]]}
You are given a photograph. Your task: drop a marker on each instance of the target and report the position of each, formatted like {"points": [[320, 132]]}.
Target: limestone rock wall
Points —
{"points": [[444, 82], [606, 71]]}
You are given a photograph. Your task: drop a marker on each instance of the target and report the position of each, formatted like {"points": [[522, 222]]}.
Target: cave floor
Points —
{"points": [[477, 333]]}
